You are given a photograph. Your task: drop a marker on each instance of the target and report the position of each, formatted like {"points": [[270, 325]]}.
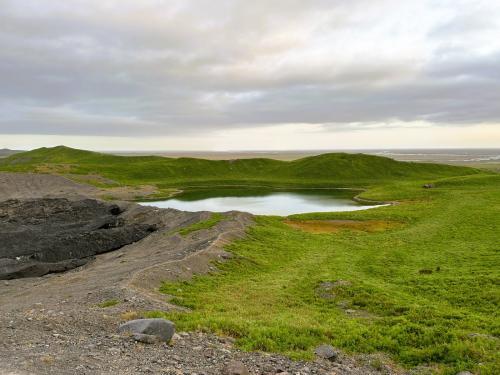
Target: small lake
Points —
{"points": [[264, 201]]}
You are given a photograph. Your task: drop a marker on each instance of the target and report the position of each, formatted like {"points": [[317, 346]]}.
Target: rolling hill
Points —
{"points": [[338, 169]]}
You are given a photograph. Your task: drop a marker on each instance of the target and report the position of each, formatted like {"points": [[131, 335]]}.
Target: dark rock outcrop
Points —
{"points": [[39, 236]]}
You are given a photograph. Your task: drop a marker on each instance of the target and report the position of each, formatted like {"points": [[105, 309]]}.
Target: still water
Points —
{"points": [[264, 202]]}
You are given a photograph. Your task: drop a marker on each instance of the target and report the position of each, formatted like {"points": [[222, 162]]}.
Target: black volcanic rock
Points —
{"points": [[38, 236]]}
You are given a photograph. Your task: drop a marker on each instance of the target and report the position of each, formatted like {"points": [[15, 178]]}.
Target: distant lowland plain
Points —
{"points": [[475, 157]]}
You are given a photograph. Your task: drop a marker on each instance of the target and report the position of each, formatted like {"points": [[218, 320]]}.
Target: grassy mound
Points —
{"points": [[340, 169]]}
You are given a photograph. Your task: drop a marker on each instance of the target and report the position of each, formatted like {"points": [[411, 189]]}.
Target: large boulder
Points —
{"points": [[142, 329], [45, 235]]}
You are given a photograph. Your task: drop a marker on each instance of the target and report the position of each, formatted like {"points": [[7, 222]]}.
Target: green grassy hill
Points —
{"points": [[338, 169]]}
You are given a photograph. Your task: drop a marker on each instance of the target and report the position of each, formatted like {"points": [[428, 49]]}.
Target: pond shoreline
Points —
{"points": [[266, 200]]}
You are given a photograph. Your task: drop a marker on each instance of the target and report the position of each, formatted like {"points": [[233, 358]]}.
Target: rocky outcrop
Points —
{"points": [[38, 236]]}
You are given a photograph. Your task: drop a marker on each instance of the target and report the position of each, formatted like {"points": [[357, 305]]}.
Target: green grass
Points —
{"points": [[494, 167], [213, 220], [267, 297], [108, 303]]}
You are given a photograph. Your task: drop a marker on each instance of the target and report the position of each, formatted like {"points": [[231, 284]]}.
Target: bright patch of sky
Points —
{"points": [[284, 74]]}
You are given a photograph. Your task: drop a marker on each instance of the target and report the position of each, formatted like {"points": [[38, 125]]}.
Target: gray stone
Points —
{"points": [[161, 328], [235, 368], [327, 352], [146, 339]]}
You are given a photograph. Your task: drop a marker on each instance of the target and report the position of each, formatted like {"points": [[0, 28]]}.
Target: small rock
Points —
{"points": [[235, 368], [465, 373], [162, 328], [327, 352]]}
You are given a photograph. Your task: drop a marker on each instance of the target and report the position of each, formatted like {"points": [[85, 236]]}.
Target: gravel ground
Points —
{"points": [[63, 339]]}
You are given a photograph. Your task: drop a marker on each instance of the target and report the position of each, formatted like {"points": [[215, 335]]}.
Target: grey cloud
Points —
{"points": [[175, 67]]}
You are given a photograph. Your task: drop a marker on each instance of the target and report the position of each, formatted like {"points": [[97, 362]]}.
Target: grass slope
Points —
{"points": [[324, 170], [426, 292]]}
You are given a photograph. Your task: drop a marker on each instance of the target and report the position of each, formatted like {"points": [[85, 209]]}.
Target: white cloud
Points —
{"points": [[184, 67]]}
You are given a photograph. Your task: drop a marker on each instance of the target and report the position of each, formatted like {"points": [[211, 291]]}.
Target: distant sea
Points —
{"points": [[452, 156]]}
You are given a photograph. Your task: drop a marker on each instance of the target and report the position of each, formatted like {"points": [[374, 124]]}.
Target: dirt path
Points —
{"points": [[54, 325]]}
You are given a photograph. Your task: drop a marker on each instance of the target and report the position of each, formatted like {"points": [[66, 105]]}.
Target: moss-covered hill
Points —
{"points": [[337, 169]]}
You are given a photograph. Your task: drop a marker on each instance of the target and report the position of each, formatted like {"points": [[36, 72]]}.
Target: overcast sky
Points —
{"points": [[239, 74]]}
